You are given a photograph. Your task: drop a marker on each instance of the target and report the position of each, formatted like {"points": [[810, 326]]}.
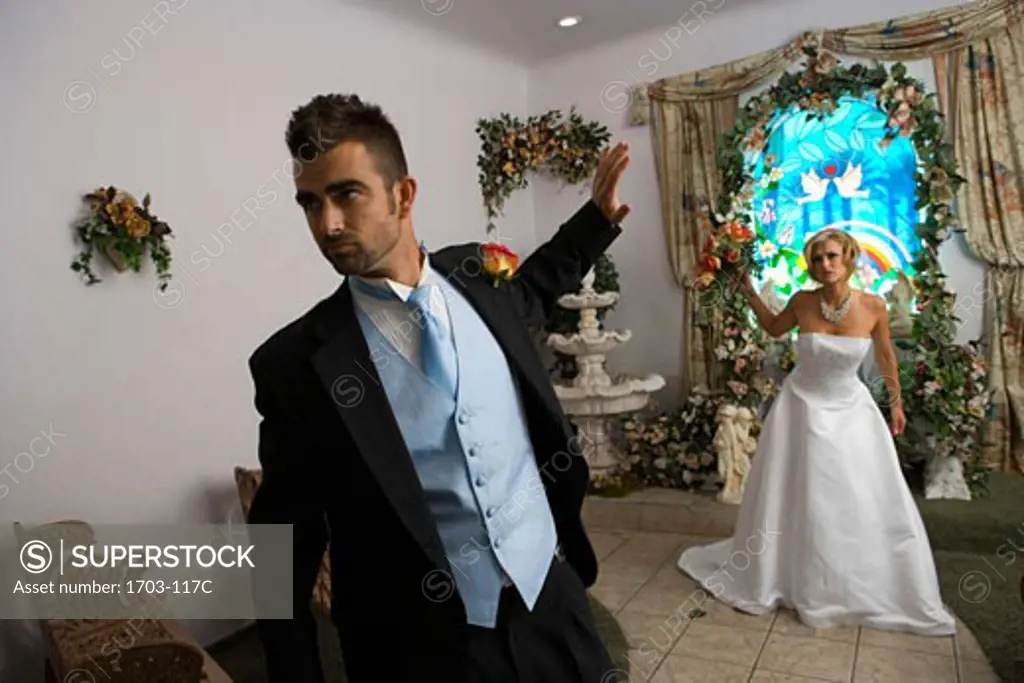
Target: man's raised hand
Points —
{"points": [[605, 192]]}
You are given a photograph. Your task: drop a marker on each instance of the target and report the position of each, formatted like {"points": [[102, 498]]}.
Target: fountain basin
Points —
{"points": [[584, 344], [625, 396], [588, 300]]}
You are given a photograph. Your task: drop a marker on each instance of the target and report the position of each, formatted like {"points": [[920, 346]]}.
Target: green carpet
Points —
{"points": [[979, 555], [981, 525], [987, 599], [241, 655]]}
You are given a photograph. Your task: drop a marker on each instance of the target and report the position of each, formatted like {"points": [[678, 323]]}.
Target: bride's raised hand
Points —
{"points": [[746, 285]]}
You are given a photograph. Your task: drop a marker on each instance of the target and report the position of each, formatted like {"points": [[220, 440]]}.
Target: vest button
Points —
{"points": [[480, 481], [463, 418], [497, 543], [490, 512], [472, 452]]}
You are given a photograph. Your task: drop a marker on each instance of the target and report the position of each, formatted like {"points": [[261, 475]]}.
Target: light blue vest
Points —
{"points": [[475, 461]]}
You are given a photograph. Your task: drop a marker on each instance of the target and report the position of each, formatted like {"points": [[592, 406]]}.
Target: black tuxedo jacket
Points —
{"points": [[335, 465]]}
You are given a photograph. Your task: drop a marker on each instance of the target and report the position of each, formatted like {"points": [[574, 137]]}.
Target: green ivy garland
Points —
{"points": [[933, 378]]}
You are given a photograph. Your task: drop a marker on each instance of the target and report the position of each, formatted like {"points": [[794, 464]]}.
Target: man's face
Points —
{"points": [[354, 218]]}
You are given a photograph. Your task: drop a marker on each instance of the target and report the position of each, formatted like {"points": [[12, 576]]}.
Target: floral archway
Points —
{"points": [[942, 384]]}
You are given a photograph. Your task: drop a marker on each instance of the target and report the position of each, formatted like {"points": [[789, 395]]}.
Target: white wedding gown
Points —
{"points": [[827, 526]]}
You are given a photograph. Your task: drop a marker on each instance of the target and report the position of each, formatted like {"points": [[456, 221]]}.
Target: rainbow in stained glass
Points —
{"points": [[836, 173]]}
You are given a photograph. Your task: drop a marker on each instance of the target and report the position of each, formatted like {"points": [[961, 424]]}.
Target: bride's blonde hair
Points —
{"points": [[851, 249]]}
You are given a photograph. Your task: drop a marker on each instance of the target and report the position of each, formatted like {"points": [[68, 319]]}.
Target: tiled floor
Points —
{"points": [[678, 636]]}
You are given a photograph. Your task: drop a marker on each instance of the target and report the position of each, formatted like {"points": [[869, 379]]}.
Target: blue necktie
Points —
{"points": [[437, 350]]}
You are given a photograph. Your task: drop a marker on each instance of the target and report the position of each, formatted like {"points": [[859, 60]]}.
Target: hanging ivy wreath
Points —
{"points": [[941, 382], [567, 149]]}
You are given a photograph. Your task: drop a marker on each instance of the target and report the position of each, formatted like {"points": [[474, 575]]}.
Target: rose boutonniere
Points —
{"points": [[500, 262]]}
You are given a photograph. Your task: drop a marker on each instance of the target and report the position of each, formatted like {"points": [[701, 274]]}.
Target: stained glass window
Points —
{"points": [[836, 173]]}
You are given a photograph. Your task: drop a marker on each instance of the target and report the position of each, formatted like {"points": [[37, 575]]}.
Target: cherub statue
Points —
{"points": [[734, 446], [724, 441], [748, 445]]}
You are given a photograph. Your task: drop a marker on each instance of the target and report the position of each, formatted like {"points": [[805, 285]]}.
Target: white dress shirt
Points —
{"points": [[396, 319]]}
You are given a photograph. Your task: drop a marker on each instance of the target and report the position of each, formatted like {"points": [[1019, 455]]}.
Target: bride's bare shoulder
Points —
{"points": [[806, 299], [802, 296], [871, 301]]}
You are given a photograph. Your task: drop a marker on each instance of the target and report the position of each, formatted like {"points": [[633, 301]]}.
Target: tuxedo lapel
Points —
{"points": [[350, 378], [508, 330]]}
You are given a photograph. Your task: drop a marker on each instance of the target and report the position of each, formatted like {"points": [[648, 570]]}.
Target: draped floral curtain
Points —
{"points": [[981, 87], [688, 159], [688, 116], [919, 36], [983, 42]]}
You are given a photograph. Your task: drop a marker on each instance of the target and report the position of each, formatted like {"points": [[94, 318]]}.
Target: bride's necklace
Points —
{"points": [[836, 315]]}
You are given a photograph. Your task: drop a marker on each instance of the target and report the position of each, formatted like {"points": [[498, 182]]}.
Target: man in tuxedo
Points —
{"points": [[409, 418]]}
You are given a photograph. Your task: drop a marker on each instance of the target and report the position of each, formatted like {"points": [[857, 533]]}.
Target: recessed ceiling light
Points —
{"points": [[566, 22]]}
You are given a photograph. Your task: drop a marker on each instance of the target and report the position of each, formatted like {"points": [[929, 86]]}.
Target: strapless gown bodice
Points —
{"points": [[826, 368]]}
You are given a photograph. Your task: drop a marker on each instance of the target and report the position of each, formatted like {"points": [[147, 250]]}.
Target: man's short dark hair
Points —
{"points": [[329, 120]]}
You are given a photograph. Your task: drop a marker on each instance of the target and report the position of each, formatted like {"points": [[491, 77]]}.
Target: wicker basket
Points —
{"points": [[112, 650], [134, 651]]}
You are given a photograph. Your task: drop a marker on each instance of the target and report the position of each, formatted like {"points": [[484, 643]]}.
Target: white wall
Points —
{"points": [[707, 33], [148, 398]]}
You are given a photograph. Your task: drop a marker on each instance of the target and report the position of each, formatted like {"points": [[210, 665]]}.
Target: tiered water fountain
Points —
{"points": [[594, 396]]}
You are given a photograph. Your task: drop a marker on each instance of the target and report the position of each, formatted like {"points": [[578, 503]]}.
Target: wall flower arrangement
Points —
{"points": [[948, 385], [122, 230], [672, 449], [565, 148]]}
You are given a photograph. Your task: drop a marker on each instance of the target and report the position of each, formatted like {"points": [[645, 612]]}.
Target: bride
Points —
{"points": [[828, 526]]}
